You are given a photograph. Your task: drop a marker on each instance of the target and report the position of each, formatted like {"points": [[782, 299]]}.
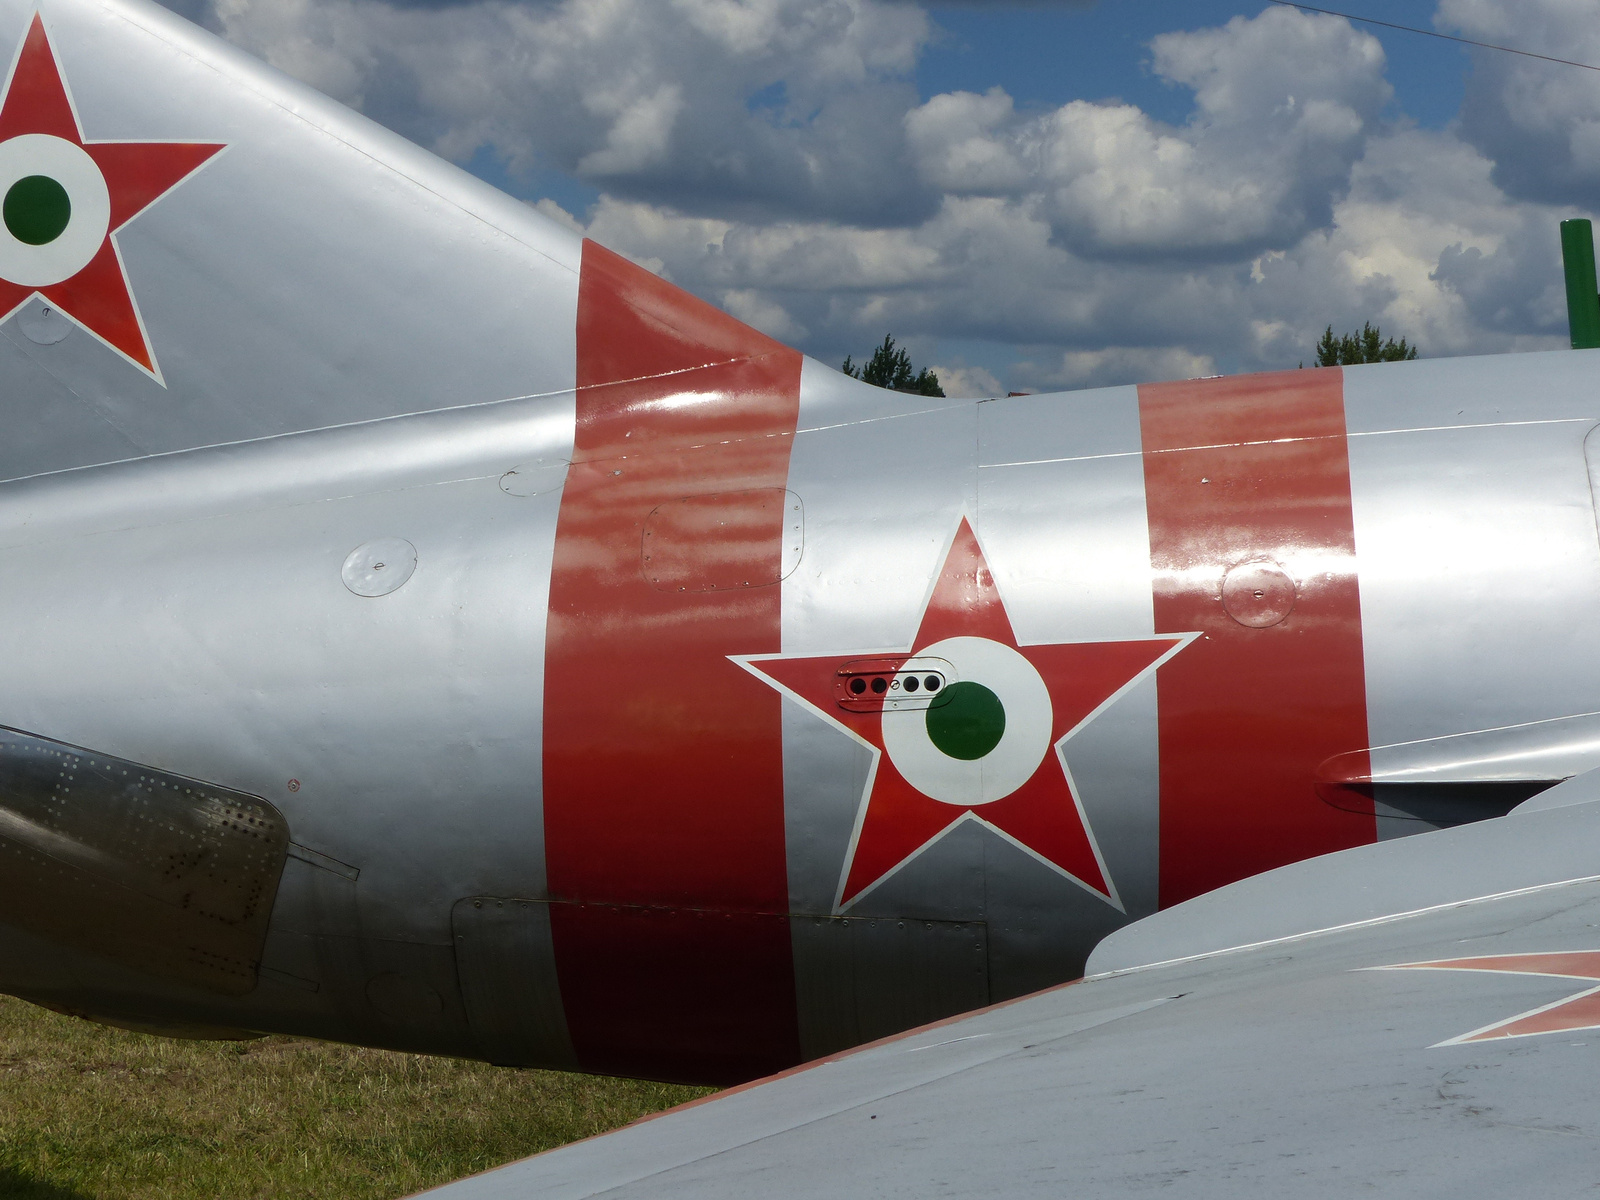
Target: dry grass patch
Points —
{"points": [[90, 1112]]}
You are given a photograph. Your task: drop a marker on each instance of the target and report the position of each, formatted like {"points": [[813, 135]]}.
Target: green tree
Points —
{"points": [[890, 367], [1367, 346]]}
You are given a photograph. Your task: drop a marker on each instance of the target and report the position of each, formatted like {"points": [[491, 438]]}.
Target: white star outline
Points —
{"points": [[153, 371], [840, 907], [1477, 1035]]}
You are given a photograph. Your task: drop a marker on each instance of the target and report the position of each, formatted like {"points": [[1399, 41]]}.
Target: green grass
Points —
{"points": [[87, 1111]]}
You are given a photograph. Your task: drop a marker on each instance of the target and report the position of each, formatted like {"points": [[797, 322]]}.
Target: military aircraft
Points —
{"points": [[426, 628], [1414, 1018]]}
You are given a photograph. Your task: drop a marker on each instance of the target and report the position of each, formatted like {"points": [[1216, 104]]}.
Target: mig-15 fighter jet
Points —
{"points": [[425, 628]]}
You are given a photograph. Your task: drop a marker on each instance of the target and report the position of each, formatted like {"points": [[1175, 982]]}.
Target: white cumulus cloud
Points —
{"points": [[773, 156]]}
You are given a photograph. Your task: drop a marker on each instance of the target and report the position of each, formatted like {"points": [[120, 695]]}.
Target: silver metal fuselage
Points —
{"points": [[187, 611]]}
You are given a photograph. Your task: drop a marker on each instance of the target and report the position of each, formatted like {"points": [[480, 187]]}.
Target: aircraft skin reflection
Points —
{"points": [[550, 796]]}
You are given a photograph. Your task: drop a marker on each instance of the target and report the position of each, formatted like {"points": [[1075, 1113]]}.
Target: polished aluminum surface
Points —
{"points": [[361, 350], [1289, 1067]]}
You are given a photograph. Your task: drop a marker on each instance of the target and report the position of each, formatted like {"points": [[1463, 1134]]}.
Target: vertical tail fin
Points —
{"points": [[160, 292]]}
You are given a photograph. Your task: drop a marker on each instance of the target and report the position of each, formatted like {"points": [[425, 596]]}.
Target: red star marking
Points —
{"points": [[136, 173], [1578, 1011], [1044, 815]]}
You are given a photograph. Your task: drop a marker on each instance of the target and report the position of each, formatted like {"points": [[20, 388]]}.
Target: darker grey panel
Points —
{"points": [[1407, 808], [863, 978], [165, 874], [1441, 805], [506, 965]]}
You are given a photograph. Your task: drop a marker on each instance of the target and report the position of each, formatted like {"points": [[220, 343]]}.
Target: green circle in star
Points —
{"points": [[36, 210], [968, 723]]}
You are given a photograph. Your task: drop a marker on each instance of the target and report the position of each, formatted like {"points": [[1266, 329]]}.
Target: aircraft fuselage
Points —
{"points": [[588, 786]]}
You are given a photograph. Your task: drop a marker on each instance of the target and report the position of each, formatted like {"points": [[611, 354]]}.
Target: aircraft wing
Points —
{"points": [[1418, 1017]]}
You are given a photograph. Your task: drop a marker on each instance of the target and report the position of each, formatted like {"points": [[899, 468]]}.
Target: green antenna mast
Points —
{"points": [[1583, 302]]}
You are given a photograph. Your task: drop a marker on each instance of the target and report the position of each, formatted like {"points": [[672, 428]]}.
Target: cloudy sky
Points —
{"points": [[1029, 195]]}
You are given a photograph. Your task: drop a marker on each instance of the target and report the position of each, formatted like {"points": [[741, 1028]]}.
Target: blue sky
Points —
{"points": [[1046, 55], [1028, 196], [1049, 54]]}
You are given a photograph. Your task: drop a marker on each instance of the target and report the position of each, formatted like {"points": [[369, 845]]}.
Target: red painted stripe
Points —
{"points": [[1237, 470], [663, 761]]}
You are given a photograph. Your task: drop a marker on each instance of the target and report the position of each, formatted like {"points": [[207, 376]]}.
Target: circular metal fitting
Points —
{"points": [[1258, 594], [379, 567], [42, 324]]}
